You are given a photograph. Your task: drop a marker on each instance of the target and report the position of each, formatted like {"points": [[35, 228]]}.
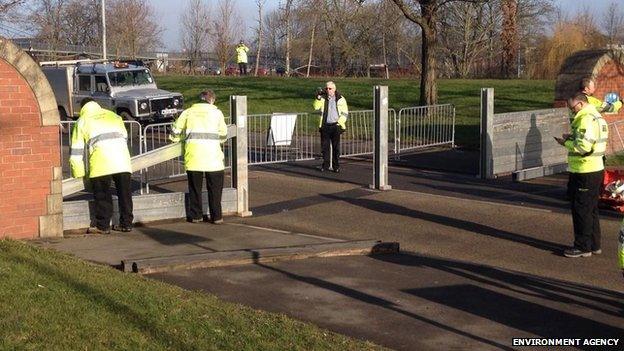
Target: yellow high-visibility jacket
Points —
{"points": [[104, 134], [202, 129], [588, 143], [603, 106], [241, 53], [341, 104]]}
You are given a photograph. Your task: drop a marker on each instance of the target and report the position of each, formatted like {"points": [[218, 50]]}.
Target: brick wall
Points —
{"points": [[29, 154], [610, 79]]}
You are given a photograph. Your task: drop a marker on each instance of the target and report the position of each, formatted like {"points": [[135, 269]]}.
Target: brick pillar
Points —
{"points": [[30, 165]]}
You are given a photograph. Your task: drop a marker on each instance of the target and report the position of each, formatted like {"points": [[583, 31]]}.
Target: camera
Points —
{"points": [[320, 92]]}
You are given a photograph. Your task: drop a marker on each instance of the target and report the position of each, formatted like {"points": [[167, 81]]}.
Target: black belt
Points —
{"points": [[331, 124]]}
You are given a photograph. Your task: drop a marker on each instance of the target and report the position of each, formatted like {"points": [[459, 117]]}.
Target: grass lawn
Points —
{"points": [[277, 94], [51, 301]]}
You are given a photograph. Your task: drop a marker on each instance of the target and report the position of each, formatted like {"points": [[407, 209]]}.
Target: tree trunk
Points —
{"points": [[259, 39], [509, 38], [288, 15], [311, 48], [428, 86]]}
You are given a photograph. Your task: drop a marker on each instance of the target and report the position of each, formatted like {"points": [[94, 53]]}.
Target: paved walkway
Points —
{"points": [[408, 302], [483, 259]]}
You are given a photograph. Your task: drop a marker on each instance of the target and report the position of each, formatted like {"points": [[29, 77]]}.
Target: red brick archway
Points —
{"points": [[605, 66], [30, 173]]}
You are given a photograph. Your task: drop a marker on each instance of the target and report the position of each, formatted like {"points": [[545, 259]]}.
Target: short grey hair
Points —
{"points": [[208, 95]]}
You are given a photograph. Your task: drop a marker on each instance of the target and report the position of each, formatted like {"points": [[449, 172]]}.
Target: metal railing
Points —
{"points": [[424, 126], [156, 136], [283, 137]]}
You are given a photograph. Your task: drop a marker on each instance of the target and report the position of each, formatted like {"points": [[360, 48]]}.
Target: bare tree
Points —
{"points": [[46, 17], [260, 4], [509, 37], [613, 23], [466, 31], [7, 7], [223, 32], [81, 22], [287, 23], [133, 26], [426, 19], [195, 30]]}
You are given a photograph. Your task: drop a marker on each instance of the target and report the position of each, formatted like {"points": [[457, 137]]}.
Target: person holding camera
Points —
{"points": [[241, 58], [334, 113]]}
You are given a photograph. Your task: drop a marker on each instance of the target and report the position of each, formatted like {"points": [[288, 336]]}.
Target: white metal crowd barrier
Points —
{"points": [[424, 126], [281, 137]]}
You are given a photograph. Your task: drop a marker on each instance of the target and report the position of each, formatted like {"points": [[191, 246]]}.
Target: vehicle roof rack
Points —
{"points": [[71, 62]]}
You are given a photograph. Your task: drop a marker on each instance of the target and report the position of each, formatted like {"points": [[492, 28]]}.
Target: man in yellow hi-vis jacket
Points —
{"points": [[241, 57], [334, 113], [612, 102], [104, 134], [202, 128], [586, 146]]}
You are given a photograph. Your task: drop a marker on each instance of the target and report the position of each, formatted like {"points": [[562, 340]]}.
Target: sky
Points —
{"points": [[169, 12]]}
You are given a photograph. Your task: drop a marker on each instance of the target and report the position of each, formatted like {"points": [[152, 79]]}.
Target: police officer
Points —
{"points": [[586, 146], [105, 136], [334, 113], [241, 58], [612, 102], [202, 128]]}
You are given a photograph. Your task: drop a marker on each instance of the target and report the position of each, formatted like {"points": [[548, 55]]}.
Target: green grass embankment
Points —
{"points": [[51, 301]]}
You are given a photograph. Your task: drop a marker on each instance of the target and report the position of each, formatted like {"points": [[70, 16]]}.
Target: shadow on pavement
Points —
{"points": [[389, 208], [538, 306]]}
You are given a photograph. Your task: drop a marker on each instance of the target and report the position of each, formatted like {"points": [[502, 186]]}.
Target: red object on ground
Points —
{"points": [[610, 176]]}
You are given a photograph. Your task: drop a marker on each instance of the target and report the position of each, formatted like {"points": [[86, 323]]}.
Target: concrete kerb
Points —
{"points": [[264, 255]]}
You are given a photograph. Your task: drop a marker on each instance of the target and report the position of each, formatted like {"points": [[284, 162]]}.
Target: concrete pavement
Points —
{"points": [[483, 262], [415, 302]]}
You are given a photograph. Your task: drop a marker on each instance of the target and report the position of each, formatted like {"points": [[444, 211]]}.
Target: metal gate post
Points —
{"points": [[486, 167], [380, 154], [238, 110]]}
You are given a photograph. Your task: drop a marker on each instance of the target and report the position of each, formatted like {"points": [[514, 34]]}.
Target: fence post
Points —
{"points": [[380, 153], [238, 110], [486, 167]]}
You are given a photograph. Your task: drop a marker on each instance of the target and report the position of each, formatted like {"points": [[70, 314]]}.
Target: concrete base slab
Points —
{"points": [[176, 239], [266, 255]]}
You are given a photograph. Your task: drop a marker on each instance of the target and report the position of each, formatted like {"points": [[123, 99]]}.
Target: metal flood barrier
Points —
{"points": [[156, 136]]}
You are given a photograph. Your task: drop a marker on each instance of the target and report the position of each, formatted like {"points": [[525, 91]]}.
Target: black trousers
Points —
{"points": [[330, 135], [104, 199], [242, 69], [214, 185], [584, 189]]}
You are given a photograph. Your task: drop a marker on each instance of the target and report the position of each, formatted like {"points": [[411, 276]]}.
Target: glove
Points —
{"points": [[611, 98]]}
